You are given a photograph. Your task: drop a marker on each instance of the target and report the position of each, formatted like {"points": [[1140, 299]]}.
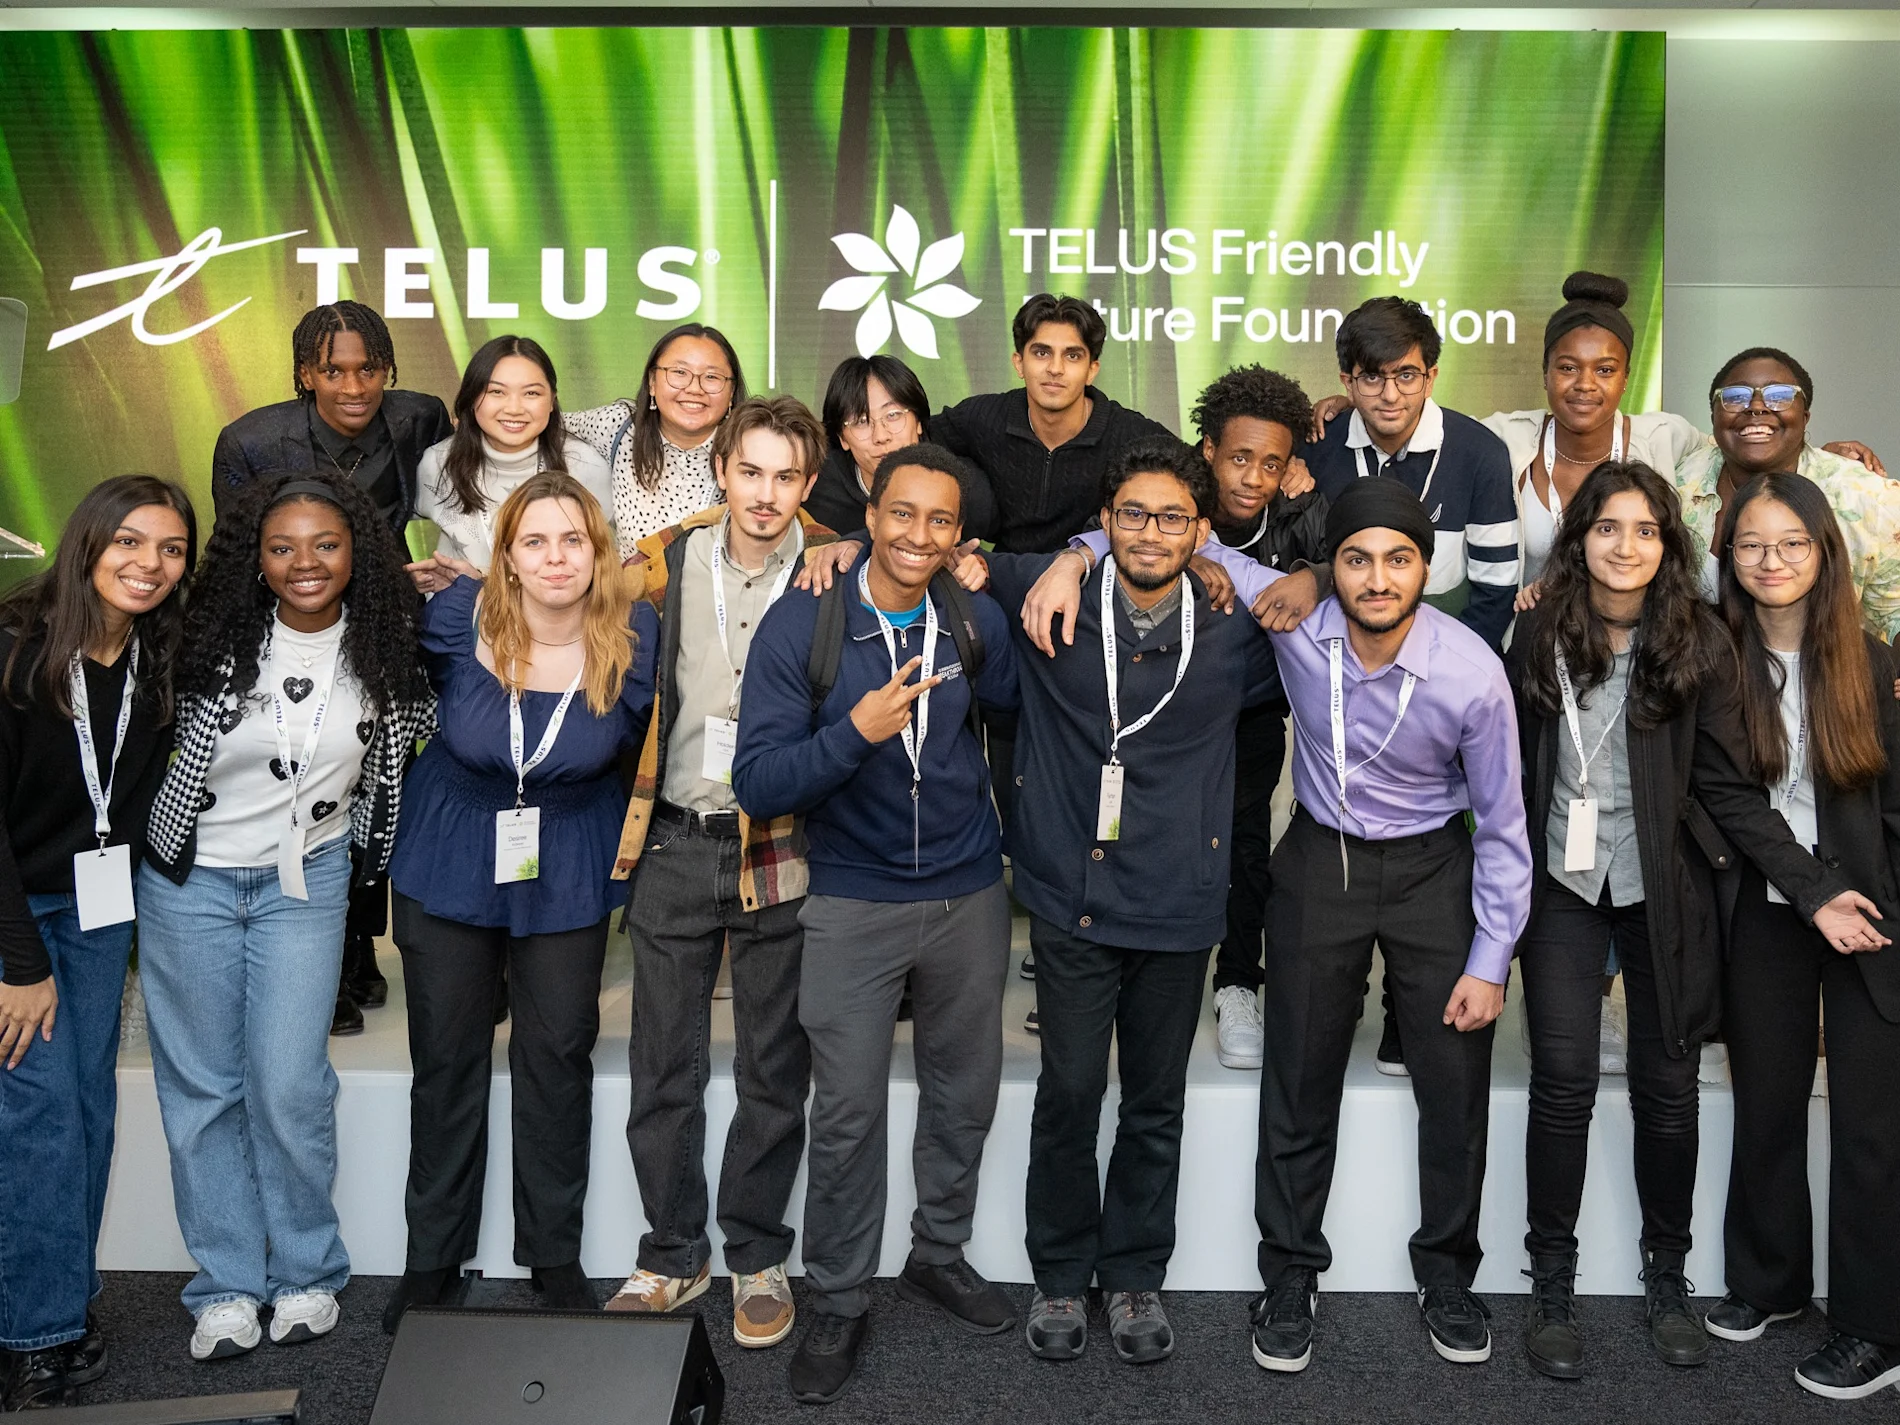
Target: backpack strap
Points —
{"points": [[827, 645], [967, 637], [827, 641]]}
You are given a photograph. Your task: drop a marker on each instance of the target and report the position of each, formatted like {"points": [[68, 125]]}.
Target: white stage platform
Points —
{"points": [[1373, 1209]]}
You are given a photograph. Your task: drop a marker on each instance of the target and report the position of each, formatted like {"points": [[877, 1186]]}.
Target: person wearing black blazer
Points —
{"points": [[1824, 740]]}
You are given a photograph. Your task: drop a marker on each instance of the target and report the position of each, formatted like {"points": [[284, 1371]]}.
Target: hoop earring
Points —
{"points": [[261, 579]]}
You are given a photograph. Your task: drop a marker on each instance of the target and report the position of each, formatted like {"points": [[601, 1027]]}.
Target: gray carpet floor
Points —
{"points": [[1373, 1364]]}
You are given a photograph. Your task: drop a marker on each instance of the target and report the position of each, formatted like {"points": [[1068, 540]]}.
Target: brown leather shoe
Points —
{"points": [[649, 1291], [762, 1310]]}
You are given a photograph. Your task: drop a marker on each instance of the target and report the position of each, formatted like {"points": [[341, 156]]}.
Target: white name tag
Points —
{"points": [[1580, 842], [290, 864], [722, 740], [1108, 808], [517, 844], [102, 884]]}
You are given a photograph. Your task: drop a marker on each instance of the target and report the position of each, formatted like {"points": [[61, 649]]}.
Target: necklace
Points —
{"points": [[349, 474], [1591, 460], [543, 643]]}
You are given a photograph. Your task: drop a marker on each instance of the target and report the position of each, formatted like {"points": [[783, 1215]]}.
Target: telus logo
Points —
{"points": [[930, 296], [170, 273]]}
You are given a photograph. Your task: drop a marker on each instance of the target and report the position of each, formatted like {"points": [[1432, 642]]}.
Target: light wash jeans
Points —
{"points": [[240, 987], [57, 1112]]}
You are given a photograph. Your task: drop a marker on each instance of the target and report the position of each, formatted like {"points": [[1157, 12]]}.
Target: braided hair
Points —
{"points": [[311, 342]]}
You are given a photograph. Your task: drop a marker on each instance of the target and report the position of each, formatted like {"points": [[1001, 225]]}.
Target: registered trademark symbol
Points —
{"points": [[712, 256]]}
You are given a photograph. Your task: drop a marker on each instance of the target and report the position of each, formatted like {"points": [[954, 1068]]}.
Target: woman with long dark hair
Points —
{"points": [[506, 860], [300, 697], [1823, 745], [659, 443], [1627, 717], [86, 657], [508, 426]]}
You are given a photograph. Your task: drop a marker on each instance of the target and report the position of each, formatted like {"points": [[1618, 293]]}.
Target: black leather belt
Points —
{"points": [[712, 823]]}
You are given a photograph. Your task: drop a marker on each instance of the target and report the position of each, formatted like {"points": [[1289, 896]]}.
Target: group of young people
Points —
{"points": [[1591, 691]]}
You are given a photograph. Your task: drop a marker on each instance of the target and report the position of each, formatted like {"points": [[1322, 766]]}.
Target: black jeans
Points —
{"points": [[1780, 973], [684, 911], [1563, 953], [451, 975], [1259, 756], [1149, 1003], [1412, 895]]}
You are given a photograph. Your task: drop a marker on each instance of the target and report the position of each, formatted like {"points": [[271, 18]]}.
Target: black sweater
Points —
{"points": [[48, 816], [1043, 497]]}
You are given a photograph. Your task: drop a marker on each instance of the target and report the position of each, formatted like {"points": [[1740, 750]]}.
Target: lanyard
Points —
{"points": [[296, 772], [546, 745], [1584, 759], [1116, 731], [1336, 659], [719, 597], [88, 753], [1255, 538], [1551, 502], [913, 736], [1798, 763], [1366, 473]]}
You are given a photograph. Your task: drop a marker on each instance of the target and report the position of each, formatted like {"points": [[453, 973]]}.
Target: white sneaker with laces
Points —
{"points": [[1243, 1033], [225, 1328], [302, 1316]]}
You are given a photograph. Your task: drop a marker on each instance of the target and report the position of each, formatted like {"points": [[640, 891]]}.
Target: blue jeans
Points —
{"points": [[240, 987], [56, 1122]]}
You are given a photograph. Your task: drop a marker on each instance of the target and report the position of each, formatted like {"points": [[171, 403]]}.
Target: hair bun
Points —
{"points": [[1596, 287]]}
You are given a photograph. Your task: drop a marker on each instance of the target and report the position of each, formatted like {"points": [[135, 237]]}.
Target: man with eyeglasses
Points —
{"points": [[1125, 778]]}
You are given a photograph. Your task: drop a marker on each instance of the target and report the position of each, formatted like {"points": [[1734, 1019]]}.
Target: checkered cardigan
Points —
{"points": [[172, 839], [772, 855]]}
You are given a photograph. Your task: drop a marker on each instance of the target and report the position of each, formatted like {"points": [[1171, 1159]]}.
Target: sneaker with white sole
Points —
{"points": [[302, 1316], [1242, 1036], [646, 1291], [762, 1310], [225, 1328]]}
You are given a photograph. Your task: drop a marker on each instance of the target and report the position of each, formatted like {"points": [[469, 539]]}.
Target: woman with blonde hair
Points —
{"points": [[544, 678]]}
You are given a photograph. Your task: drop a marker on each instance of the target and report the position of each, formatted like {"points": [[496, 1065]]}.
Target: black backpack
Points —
{"points": [[827, 640]]}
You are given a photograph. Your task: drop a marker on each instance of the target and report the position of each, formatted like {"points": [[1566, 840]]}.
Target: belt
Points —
{"points": [[1455, 821], [711, 823]]}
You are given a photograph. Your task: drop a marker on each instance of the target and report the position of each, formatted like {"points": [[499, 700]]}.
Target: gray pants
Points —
{"points": [[857, 956]]}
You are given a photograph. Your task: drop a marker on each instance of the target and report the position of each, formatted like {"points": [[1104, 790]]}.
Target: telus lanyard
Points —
{"points": [[1580, 834], [914, 732], [1116, 731], [88, 751], [1584, 759], [290, 843], [1551, 501], [1336, 660], [719, 596], [546, 744], [1365, 473]]}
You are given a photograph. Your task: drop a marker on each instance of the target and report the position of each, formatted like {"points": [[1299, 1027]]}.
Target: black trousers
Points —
{"points": [[1780, 974], [685, 908], [1149, 1003], [1412, 896], [1563, 954], [1259, 756], [451, 974]]}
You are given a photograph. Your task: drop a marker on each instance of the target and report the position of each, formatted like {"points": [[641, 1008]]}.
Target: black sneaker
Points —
{"points": [[1284, 1321], [1028, 970], [362, 980], [1032, 1023], [1458, 1323], [1733, 1319], [961, 1291], [1391, 1058], [1847, 1368], [1674, 1329], [348, 1018], [827, 1358], [1138, 1326], [1058, 1328], [1551, 1337], [86, 1357], [35, 1380]]}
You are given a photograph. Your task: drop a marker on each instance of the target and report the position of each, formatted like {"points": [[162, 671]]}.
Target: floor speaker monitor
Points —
{"points": [[264, 1407]]}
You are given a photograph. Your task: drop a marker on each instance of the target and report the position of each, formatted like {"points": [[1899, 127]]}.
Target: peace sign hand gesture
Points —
{"points": [[884, 712]]}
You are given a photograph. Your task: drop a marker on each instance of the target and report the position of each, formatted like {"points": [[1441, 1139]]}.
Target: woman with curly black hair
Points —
{"points": [[86, 653], [300, 695]]}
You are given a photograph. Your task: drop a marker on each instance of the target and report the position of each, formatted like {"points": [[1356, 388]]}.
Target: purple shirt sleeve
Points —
{"points": [[1501, 878], [1250, 576]]}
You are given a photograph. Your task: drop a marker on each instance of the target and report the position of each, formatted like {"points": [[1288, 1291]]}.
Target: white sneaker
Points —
{"points": [[1243, 1034], [1713, 1067], [225, 1328], [302, 1316]]}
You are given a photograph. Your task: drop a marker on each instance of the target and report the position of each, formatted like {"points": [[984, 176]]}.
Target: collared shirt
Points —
{"points": [[1867, 505], [1618, 858], [1428, 435], [1146, 621], [702, 676], [1455, 751], [369, 459]]}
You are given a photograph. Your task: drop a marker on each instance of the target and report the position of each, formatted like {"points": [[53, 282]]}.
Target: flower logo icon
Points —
{"points": [[930, 295]]}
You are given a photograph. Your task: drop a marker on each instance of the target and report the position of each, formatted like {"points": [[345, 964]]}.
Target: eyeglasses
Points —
{"points": [[1779, 397], [1407, 378], [1793, 550], [1134, 519], [892, 420], [680, 377]]}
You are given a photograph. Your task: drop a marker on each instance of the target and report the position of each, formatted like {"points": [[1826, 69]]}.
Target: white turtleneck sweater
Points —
{"points": [[471, 536]]}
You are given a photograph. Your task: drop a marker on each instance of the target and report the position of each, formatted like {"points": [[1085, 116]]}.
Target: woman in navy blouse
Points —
{"points": [[505, 859]]}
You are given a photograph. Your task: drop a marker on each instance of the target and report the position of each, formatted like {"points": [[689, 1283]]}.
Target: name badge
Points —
{"points": [[1108, 808], [722, 740], [1580, 842], [290, 864], [102, 884], [517, 845]]}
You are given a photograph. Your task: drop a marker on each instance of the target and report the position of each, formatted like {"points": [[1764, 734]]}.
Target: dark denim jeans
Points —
{"points": [[56, 1123]]}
